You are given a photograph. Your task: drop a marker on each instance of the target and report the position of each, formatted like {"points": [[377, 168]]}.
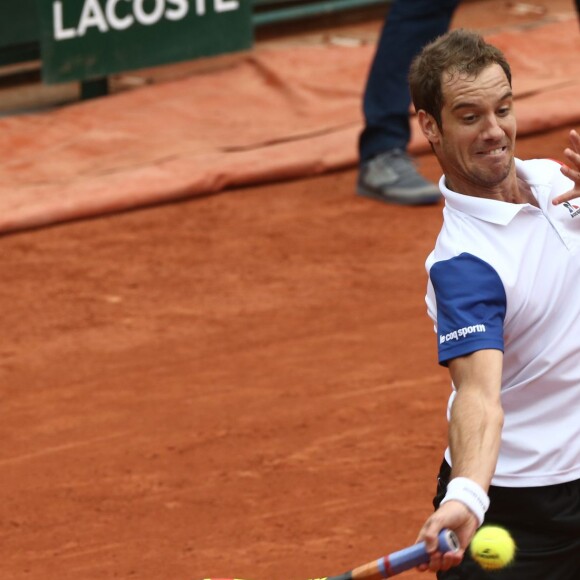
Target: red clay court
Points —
{"points": [[242, 384]]}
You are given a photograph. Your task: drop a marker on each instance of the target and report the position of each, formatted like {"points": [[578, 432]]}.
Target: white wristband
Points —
{"points": [[468, 493]]}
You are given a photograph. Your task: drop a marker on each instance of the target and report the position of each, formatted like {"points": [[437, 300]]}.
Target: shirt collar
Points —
{"points": [[490, 210]]}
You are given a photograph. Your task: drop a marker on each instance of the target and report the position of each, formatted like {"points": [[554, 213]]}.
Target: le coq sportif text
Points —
{"points": [[461, 332]]}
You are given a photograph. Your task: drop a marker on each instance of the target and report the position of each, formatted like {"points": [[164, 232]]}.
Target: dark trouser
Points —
{"points": [[545, 525], [410, 24]]}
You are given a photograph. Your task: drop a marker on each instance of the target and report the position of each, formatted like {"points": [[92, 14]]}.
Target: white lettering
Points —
{"points": [[113, 17], [226, 5], [60, 33], [92, 15], [153, 17], [461, 333], [116, 22], [200, 7], [180, 11]]}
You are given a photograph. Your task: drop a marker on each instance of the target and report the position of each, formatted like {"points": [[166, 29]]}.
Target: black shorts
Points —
{"points": [[544, 523]]}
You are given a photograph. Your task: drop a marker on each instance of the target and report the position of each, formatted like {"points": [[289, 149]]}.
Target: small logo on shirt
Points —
{"points": [[573, 209], [461, 333]]}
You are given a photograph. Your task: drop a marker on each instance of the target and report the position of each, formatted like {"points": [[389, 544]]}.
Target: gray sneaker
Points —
{"points": [[392, 177]]}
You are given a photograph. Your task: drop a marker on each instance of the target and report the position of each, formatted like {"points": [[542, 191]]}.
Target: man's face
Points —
{"points": [[476, 143]]}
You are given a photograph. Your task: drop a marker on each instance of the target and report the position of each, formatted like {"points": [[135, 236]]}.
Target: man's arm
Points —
{"points": [[474, 439], [476, 415]]}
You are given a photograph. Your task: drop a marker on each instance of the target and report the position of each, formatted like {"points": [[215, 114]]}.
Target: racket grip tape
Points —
{"points": [[400, 561]]}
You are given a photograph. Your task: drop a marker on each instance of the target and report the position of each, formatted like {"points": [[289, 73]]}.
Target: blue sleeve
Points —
{"points": [[471, 306]]}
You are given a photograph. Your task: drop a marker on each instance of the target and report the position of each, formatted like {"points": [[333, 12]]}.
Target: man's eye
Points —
{"points": [[469, 118]]}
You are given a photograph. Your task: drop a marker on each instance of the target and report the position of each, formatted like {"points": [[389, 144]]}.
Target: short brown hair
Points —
{"points": [[459, 51]]}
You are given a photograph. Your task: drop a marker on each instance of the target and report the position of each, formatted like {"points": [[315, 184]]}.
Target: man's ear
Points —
{"points": [[429, 126]]}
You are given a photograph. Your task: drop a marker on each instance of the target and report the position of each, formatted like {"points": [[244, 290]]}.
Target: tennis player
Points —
{"points": [[504, 293]]}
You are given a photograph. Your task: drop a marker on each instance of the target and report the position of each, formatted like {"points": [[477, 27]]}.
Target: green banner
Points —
{"points": [[18, 22], [88, 39]]}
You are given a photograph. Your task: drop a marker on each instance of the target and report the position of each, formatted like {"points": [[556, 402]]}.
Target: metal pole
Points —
{"points": [[307, 10]]}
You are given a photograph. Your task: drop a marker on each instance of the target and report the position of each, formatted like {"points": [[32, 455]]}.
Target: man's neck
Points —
{"points": [[512, 190]]}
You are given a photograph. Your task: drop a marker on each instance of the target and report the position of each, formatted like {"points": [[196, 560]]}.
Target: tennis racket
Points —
{"points": [[396, 562]]}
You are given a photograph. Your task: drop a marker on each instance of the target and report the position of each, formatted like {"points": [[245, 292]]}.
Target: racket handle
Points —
{"points": [[400, 561], [412, 556]]}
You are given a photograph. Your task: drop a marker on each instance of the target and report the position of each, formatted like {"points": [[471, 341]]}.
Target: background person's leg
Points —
{"points": [[410, 24], [387, 173]]}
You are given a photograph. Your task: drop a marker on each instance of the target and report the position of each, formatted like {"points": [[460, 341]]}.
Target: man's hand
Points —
{"points": [[572, 170], [455, 516]]}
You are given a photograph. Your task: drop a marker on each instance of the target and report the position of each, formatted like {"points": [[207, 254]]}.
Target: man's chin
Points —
{"points": [[492, 176]]}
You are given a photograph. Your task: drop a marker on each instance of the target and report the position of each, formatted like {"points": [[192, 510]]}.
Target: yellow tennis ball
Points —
{"points": [[492, 547]]}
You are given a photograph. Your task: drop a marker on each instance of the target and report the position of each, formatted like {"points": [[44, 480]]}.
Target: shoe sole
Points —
{"points": [[401, 199]]}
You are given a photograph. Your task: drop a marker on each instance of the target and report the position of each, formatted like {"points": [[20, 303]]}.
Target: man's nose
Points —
{"points": [[493, 128]]}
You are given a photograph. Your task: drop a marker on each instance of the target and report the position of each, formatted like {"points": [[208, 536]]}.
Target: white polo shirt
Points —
{"points": [[507, 276]]}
